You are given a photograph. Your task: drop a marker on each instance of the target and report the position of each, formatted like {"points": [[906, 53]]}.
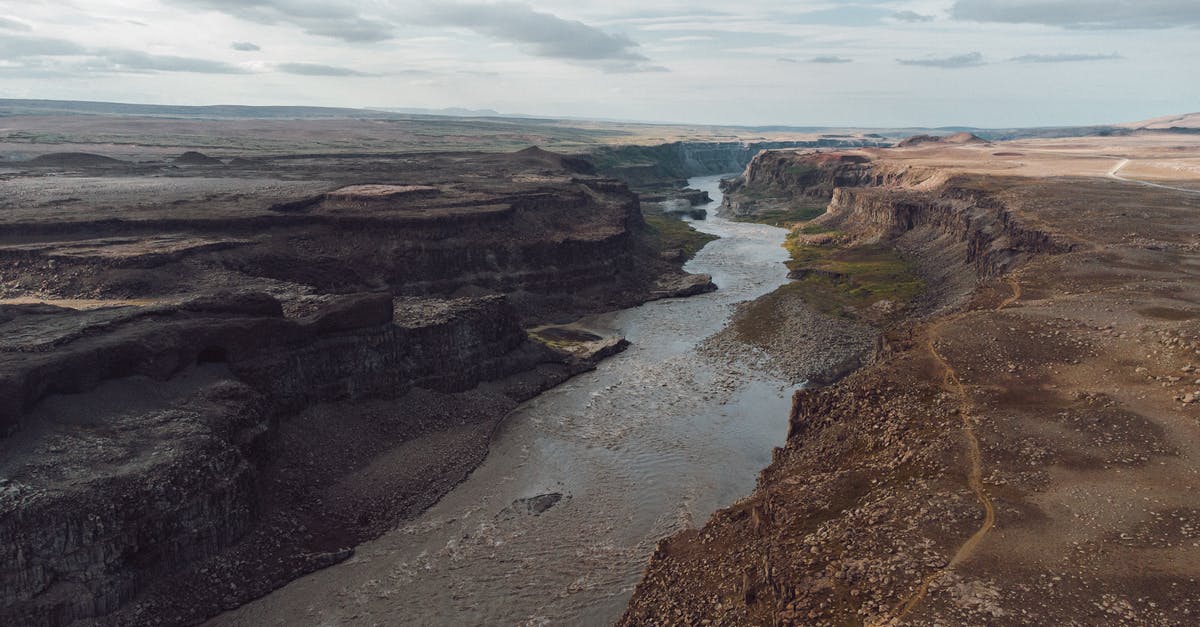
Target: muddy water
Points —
{"points": [[653, 441]]}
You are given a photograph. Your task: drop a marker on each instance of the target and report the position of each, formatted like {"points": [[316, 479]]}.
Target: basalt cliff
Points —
{"points": [[218, 376]]}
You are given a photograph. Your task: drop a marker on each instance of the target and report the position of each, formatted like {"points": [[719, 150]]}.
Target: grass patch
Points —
{"points": [[844, 281], [819, 229], [786, 216], [801, 169], [560, 338], [670, 233]]}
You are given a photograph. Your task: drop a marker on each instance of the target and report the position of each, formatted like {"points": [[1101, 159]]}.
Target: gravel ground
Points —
{"points": [[799, 345]]}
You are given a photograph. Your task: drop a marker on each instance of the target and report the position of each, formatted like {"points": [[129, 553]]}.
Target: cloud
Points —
{"points": [[536, 32], [23, 47], [33, 52], [1090, 14], [245, 46], [786, 60], [970, 59], [337, 20], [1064, 57], [830, 59], [541, 34], [911, 16], [11, 24], [119, 59], [317, 69]]}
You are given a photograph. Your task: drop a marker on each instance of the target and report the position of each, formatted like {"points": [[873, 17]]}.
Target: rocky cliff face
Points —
{"points": [[526, 225], [99, 499], [913, 206], [672, 164], [784, 177], [991, 240], [214, 401]]}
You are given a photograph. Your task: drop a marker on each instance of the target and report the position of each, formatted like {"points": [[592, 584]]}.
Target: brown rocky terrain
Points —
{"points": [[1022, 448], [956, 138], [216, 377]]}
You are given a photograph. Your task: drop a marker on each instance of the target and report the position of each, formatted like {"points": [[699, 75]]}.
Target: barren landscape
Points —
{"points": [[1022, 448], [221, 372], [879, 313]]}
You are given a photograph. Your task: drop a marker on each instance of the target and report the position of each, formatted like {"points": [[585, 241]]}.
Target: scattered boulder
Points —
{"points": [[685, 285], [539, 504], [354, 312], [193, 157], [73, 160], [239, 303]]}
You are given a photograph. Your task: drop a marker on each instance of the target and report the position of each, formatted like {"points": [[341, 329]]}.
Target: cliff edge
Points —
{"points": [[1022, 448]]}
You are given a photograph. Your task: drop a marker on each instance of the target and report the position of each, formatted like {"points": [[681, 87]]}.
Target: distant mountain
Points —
{"points": [[9, 107], [1167, 122], [456, 112], [957, 138]]}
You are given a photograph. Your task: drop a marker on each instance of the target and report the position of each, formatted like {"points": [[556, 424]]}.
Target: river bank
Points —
{"points": [[581, 483]]}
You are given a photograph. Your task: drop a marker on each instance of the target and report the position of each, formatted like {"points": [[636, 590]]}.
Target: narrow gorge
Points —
{"points": [[812, 382]]}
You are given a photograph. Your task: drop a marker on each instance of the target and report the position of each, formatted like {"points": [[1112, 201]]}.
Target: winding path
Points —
{"points": [[974, 474], [1115, 174]]}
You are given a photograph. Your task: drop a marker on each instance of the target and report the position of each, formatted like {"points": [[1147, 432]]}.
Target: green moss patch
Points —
{"points": [[784, 217], [845, 281], [669, 233], [562, 338]]}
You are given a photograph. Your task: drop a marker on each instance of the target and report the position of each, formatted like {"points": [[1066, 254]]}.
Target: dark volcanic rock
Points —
{"points": [[210, 433], [243, 303], [957, 138], [355, 312], [538, 504], [193, 157], [163, 471], [73, 160]]}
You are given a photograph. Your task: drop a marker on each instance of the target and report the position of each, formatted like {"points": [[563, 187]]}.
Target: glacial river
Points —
{"points": [[653, 441]]}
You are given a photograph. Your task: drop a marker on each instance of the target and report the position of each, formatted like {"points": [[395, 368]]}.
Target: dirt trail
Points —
{"points": [[974, 454], [1115, 174]]}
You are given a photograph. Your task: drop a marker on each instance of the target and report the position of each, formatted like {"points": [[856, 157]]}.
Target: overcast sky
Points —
{"points": [[991, 63]]}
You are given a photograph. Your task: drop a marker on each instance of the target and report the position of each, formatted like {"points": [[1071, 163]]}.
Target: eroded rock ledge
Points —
{"points": [[211, 386]]}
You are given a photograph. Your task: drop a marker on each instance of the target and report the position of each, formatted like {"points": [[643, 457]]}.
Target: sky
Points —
{"points": [[881, 63]]}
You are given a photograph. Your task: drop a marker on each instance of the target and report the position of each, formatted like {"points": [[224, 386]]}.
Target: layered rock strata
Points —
{"points": [[211, 386]]}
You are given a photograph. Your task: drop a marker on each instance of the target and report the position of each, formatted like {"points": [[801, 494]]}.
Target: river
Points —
{"points": [[653, 441]]}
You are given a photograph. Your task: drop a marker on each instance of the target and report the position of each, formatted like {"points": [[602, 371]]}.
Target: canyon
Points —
{"points": [[295, 387]]}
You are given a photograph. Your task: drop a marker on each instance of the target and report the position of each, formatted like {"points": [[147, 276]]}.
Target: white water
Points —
{"points": [[652, 442]]}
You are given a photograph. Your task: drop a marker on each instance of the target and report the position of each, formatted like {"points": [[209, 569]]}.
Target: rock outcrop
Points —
{"points": [[670, 165], [193, 157], [955, 139], [99, 500]]}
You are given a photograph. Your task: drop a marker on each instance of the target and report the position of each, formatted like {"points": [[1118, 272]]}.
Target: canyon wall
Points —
{"points": [[912, 206], [212, 402], [674, 163], [148, 481]]}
